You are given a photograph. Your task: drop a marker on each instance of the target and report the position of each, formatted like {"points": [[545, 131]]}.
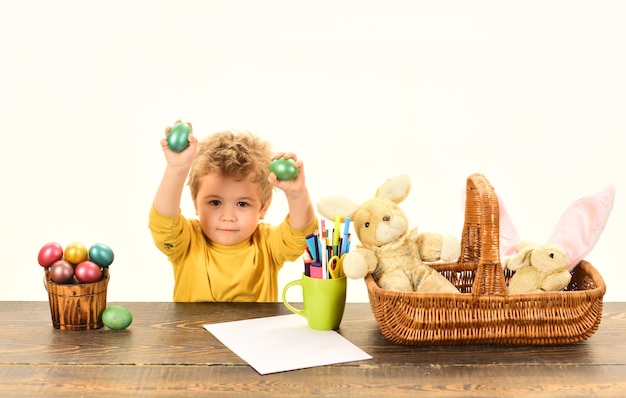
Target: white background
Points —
{"points": [[532, 94]]}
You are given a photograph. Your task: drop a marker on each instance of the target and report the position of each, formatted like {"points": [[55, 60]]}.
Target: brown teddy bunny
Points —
{"points": [[388, 250], [547, 267], [538, 268]]}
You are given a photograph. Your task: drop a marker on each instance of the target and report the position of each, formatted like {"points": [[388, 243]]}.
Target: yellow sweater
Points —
{"points": [[206, 271]]}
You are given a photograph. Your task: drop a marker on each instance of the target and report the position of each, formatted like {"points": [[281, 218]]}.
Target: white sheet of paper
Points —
{"points": [[284, 342]]}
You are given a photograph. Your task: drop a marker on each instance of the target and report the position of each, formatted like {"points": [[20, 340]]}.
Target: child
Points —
{"points": [[228, 254]]}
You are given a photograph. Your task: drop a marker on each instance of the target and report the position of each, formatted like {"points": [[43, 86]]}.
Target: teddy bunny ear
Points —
{"points": [[581, 224], [332, 206], [395, 189], [519, 259]]}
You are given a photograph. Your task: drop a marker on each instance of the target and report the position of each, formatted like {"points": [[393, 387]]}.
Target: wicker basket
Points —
{"points": [[485, 313]]}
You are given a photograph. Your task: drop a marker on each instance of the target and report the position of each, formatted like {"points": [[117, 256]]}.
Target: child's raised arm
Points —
{"points": [[167, 198]]}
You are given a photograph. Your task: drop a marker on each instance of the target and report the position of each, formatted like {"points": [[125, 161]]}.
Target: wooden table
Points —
{"points": [[167, 352]]}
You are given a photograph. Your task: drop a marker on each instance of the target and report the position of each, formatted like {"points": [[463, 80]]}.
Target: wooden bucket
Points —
{"points": [[77, 306]]}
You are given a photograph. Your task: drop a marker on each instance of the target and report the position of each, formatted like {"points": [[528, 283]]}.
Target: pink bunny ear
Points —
{"points": [[581, 224], [508, 233]]}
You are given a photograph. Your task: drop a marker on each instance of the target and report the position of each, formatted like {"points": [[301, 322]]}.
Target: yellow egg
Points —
{"points": [[75, 253]]}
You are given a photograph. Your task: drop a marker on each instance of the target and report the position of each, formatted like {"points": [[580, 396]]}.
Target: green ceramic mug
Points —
{"points": [[324, 301]]}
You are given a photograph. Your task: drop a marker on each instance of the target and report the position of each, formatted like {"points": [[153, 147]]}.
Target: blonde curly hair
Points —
{"points": [[236, 154]]}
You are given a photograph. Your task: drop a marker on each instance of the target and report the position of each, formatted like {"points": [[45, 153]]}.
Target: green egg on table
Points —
{"points": [[284, 168], [116, 317], [178, 137]]}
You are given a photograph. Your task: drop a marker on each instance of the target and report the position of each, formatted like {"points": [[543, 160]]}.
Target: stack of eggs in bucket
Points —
{"points": [[77, 264]]}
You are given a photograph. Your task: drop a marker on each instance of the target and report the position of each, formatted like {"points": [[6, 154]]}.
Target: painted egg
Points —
{"points": [[61, 272], [49, 254], [88, 272], [178, 137], [284, 168], [101, 254], [116, 317], [75, 253]]}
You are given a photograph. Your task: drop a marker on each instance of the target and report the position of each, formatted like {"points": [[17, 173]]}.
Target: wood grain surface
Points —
{"points": [[167, 352]]}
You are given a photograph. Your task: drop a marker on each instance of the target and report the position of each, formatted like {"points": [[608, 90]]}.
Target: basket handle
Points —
{"points": [[46, 278], [480, 242]]}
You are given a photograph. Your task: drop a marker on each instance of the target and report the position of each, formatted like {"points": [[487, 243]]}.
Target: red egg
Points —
{"points": [[49, 254], [61, 272], [88, 272]]}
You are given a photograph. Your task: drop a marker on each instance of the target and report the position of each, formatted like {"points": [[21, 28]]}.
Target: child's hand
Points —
{"points": [[295, 185], [301, 212], [181, 159]]}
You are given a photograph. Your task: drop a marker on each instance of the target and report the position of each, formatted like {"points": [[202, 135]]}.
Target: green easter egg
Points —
{"points": [[178, 137], [116, 317], [101, 254], [284, 168]]}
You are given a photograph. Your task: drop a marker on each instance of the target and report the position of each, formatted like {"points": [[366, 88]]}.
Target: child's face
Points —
{"points": [[229, 210]]}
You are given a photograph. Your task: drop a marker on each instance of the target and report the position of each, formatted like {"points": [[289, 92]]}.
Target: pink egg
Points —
{"points": [[88, 272], [49, 254]]}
